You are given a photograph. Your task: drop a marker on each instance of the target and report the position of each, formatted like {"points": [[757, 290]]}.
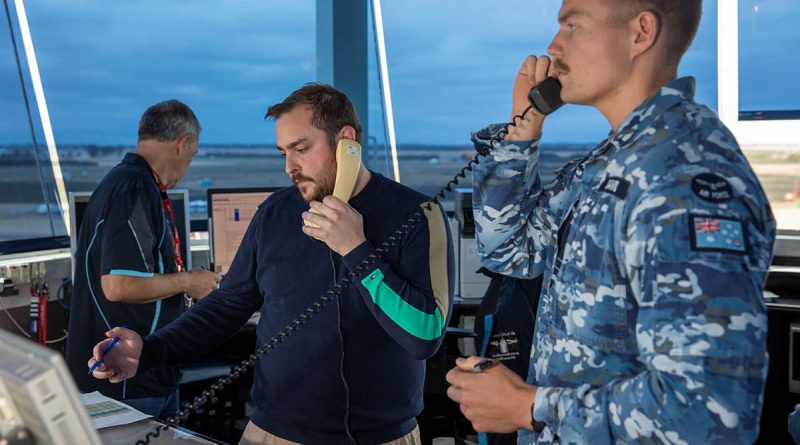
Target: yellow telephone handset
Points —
{"points": [[348, 164]]}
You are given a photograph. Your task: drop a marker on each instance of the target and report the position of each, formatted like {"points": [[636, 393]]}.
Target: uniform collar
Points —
{"points": [[137, 160], [640, 119], [140, 162]]}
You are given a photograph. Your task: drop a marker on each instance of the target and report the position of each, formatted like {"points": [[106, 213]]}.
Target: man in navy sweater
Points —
{"points": [[355, 372]]}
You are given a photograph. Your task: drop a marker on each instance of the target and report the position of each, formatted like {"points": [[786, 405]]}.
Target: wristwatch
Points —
{"points": [[537, 426]]}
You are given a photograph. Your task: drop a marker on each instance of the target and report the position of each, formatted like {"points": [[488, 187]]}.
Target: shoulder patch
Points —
{"points": [[718, 234], [616, 186], [712, 187]]}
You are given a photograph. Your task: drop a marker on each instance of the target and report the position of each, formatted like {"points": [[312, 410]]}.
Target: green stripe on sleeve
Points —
{"points": [[412, 320]]}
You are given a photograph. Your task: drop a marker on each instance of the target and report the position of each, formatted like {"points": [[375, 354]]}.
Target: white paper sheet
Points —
{"points": [[106, 412]]}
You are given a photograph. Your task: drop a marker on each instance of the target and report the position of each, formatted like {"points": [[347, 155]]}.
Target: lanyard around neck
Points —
{"points": [[176, 237]]}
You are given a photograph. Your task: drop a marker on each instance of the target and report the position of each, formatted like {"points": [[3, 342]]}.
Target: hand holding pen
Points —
{"points": [[484, 364], [113, 343], [491, 396], [117, 357]]}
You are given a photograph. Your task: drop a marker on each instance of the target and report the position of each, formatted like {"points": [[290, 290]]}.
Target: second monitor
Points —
{"points": [[229, 213], [180, 203]]}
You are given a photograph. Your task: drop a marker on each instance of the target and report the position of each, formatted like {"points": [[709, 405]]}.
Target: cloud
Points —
{"points": [[451, 65], [102, 64]]}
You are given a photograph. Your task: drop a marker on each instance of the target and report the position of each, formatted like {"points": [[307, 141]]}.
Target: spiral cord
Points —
{"points": [[330, 295]]}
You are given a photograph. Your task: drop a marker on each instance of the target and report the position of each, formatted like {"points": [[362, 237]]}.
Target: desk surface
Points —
{"points": [[131, 433]]}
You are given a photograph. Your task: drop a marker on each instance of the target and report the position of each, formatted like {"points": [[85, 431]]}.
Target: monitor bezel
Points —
{"points": [[173, 194]]}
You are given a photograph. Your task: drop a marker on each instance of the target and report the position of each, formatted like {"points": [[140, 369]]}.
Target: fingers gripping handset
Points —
{"points": [[348, 164], [537, 88]]}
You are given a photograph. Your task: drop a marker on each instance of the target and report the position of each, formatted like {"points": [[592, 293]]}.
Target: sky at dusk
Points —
{"points": [[451, 64]]}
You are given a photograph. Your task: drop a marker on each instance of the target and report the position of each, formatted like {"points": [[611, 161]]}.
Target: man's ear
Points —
{"points": [[647, 30], [347, 132], [182, 143]]}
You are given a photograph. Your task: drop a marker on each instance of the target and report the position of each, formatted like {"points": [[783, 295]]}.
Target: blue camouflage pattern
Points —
{"points": [[643, 335]]}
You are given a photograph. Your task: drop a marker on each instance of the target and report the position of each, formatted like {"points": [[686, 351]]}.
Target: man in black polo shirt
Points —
{"points": [[128, 263]]}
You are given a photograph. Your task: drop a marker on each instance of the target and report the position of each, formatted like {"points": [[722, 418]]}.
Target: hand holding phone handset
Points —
{"points": [[348, 166], [535, 87]]}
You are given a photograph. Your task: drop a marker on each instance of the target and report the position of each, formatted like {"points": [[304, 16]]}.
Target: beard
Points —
{"points": [[316, 189]]}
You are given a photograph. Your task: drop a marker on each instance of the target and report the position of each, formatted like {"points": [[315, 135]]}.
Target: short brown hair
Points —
{"points": [[331, 109], [680, 18]]}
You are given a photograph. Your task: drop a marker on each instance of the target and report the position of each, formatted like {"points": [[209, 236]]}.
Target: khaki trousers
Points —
{"points": [[254, 435]]}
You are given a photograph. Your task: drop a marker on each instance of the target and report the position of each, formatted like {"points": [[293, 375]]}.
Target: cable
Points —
{"points": [[24, 332], [59, 297], [60, 339], [330, 294], [342, 359]]}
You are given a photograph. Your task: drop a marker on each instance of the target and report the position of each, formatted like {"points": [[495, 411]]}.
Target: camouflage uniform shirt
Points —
{"points": [[651, 326]]}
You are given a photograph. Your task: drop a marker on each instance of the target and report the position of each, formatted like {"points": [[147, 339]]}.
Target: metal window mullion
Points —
{"points": [[387, 94], [44, 114]]}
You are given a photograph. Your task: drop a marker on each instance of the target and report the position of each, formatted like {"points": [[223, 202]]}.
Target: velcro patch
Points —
{"points": [[712, 187], [718, 234], [616, 186]]}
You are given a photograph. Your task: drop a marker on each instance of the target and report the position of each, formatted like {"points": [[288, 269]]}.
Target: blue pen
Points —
{"points": [[113, 343], [484, 364]]}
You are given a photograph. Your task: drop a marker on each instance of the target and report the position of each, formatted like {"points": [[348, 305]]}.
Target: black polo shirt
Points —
{"points": [[124, 231]]}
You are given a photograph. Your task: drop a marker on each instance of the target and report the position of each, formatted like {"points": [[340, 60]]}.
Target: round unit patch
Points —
{"points": [[712, 187]]}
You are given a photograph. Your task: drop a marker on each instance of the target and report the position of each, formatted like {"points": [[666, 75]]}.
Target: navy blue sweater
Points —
{"points": [[392, 317]]}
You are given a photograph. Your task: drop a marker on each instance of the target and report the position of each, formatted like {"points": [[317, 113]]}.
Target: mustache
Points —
{"points": [[560, 66], [298, 177]]}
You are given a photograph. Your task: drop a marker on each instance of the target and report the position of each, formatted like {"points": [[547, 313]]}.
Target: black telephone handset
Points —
{"points": [[545, 97]]}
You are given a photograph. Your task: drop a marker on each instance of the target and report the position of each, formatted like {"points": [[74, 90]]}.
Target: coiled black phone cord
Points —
{"points": [[332, 293]]}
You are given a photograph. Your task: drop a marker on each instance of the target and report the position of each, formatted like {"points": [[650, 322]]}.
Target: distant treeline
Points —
{"points": [[28, 160]]}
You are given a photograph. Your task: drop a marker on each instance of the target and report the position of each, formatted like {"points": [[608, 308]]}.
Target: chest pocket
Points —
{"points": [[589, 298]]}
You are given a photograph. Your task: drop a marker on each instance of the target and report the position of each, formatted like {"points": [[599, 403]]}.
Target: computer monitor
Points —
{"points": [[229, 213], [38, 397], [180, 205]]}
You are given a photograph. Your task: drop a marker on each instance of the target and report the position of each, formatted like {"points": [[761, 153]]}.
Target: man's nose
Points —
{"points": [[554, 49], [291, 165]]}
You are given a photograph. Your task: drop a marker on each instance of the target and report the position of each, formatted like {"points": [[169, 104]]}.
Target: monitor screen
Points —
{"points": [[39, 397], [180, 205], [229, 214]]}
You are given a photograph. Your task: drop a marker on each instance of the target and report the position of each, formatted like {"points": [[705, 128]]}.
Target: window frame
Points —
{"points": [[751, 132], [747, 131]]}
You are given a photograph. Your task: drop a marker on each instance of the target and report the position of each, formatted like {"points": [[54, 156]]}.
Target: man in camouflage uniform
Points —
{"points": [[654, 247]]}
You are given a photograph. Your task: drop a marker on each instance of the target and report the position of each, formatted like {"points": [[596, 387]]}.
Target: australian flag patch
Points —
{"points": [[718, 234]]}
